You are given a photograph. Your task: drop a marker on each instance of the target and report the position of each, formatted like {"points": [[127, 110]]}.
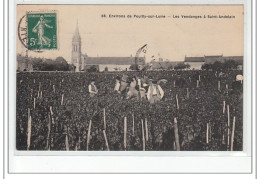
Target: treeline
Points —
{"points": [[165, 66], [221, 66], [182, 66], [59, 64], [42, 64]]}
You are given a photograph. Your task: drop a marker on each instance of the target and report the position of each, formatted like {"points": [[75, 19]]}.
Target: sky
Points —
{"points": [[169, 38]]}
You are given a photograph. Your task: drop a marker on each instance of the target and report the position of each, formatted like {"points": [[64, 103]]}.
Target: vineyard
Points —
{"points": [[200, 111]]}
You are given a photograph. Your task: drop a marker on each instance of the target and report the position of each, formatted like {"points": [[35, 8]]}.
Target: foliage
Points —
{"points": [[170, 66], [134, 67], [204, 105], [92, 68], [221, 66], [59, 64], [72, 67], [182, 66]]}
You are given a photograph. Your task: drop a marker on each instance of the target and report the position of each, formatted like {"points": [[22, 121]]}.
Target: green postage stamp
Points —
{"points": [[42, 31]]}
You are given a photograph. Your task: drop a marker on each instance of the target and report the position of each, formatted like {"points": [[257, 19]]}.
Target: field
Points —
{"points": [[54, 111]]}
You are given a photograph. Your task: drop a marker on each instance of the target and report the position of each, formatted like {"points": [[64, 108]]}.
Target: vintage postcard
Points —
{"points": [[129, 77]]}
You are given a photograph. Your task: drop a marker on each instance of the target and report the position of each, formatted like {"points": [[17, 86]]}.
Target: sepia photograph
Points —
{"points": [[129, 77]]}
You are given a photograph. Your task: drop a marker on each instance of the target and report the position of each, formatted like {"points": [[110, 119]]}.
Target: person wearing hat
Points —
{"points": [[92, 89], [155, 92], [238, 84], [239, 78]]}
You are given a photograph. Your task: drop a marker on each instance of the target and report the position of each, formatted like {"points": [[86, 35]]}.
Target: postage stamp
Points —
{"points": [[42, 31]]}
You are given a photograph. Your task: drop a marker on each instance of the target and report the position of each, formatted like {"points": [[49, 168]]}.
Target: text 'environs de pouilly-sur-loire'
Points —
{"points": [[172, 16]]}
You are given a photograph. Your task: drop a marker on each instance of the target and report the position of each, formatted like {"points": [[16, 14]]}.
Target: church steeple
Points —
{"points": [[76, 50], [76, 36]]}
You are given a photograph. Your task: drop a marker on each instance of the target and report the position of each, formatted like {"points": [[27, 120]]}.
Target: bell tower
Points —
{"points": [[76, 50]]}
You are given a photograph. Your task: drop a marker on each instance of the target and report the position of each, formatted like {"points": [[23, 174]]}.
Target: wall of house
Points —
{"points": [[20, 66], [114, 67], [195, 65], [24, 66]]}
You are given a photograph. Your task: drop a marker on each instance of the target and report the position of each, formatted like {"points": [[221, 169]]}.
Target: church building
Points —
{"points": [[84, 62], [76, 58]]}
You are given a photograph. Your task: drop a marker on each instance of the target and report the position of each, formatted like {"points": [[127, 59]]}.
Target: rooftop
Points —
{"points": [[112, 60], [194, 59]]}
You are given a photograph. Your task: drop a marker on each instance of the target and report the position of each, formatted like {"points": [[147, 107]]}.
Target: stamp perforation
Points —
{"points": [[44, 40]]}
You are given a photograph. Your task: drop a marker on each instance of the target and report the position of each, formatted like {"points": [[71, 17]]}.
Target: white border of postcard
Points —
{"points": [[132, 162]]}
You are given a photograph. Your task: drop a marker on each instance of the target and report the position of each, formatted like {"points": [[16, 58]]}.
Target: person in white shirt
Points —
{"points": [[155, 92], [117, 86], [143, 83], [92, 89]]}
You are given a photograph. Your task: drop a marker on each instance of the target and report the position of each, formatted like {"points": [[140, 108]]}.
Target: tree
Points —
{"points": [[217, 66], [230, 64], [169, 66], [61, 64], [133, 67], [182, 66], [37, 64], [93, 68], [221, 66], [187, 66], [146, 67], [206, 66], [72, 67]]}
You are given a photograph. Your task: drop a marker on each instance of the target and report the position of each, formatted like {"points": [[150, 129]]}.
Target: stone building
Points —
{"points": [[197, 62], [83, 62], [76, 57], [194, 62], [23, 63]]}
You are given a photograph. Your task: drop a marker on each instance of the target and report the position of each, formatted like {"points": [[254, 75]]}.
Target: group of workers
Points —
{"points": [[144, 88], [139, 88]]}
